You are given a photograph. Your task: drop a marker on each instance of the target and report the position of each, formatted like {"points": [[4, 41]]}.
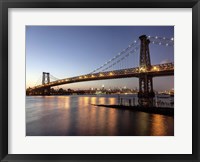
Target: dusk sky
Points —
{"points": [[68, 51]]}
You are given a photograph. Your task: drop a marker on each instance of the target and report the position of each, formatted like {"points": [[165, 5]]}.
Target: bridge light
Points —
{"points": [[153, 42], [110, 73], [172, 38], [80, 77], [154, 68], [135, 41], [101, 74], [141, 69], [149, 36], [167, 44], [156, 37], [163, 37], [92, 76], [160, 43]]}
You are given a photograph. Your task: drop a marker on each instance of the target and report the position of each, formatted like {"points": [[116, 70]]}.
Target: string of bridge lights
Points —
{"points": [[161, 40], [131, 52], [117, 56], [164, 38]]}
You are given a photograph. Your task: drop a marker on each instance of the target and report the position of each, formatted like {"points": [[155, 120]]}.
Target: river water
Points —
{"points": [[76, 116]]}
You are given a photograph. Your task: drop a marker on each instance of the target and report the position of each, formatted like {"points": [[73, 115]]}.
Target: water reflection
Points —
{"points": [[158, 125], [112, 101], [77, 116], [142, 123], [101, 100]]}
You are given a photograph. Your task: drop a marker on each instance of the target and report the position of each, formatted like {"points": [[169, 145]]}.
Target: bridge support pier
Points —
{"points": [[145, 94], [46, 80]]}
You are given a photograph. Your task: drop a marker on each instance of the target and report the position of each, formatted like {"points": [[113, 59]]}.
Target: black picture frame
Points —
{"points": [[6, 4]]}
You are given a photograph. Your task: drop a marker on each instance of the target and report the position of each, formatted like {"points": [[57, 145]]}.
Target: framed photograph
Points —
{"points": [[99, 81]]}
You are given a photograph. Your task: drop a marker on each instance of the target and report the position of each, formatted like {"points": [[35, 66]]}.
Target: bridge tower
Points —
{"points": [[46, 80], [146, 93]]}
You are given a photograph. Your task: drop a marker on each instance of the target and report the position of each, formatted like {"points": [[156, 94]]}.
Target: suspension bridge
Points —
{"points": [[145, 71]]}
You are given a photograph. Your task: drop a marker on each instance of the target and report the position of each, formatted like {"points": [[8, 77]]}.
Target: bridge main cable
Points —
{"points": [[117, 56], [54, 78], [129, 53]]}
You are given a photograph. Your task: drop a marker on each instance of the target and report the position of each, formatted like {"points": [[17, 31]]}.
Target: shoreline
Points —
{"points": [[154, 110]]}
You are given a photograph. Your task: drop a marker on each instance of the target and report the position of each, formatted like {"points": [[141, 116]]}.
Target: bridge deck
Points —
{"points": [[155, 71]]}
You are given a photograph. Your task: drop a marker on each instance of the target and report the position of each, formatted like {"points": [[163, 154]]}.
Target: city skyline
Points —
{"points": [[68, 51]]}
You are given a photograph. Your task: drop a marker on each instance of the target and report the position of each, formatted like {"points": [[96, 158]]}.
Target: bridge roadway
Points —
{"points": [[166, 69]]}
